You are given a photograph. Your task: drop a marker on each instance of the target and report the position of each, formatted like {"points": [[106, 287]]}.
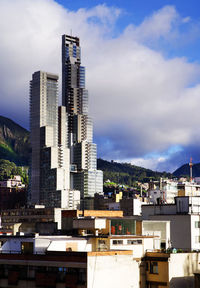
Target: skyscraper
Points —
{"points": [[50, 155], [83, 154], [64, 157]]}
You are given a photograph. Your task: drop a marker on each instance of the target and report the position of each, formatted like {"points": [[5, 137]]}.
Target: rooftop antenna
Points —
{"points": [[71, 32], [190, 169]]}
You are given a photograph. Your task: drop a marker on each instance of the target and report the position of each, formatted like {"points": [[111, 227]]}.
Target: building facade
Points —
{"points": [[50, 155], [83, 152], [64, 157]]}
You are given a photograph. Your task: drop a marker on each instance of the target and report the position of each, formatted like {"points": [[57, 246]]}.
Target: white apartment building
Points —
{"points": [[184, 220]]}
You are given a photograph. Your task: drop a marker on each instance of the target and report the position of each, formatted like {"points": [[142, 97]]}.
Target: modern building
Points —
{"points": [[64, 157], [50, 181], [184, 217], [83, 152]]}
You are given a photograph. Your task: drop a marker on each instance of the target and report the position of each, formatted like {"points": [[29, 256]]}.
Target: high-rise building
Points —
{"points": [[83, 155], [50, 155], [64, 157]]}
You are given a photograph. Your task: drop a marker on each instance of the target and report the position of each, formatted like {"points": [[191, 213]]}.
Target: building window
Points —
{"points": [[197, 239], [197, 224], [133, 242], [154, 267], [147, 266], [102, 242], [117, 242], [153, 285]]}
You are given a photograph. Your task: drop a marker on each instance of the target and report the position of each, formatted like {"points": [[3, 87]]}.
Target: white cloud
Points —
{"points": [[158, 25], [140, 101], [150, 163]]}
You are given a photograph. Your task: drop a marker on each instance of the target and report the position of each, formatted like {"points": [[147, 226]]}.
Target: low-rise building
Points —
{"points": [[12, 197], [163, 191], [28, 264], [171, 269], [26, 219], [16, 181]]}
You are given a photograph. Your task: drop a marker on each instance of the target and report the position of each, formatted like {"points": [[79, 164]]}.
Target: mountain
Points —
{"points": [[125, 173], [15, 147], [14, 142], [184, 170]]}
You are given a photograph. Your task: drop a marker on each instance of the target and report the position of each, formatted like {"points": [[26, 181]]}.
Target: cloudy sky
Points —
{"points": [[142, 67]]}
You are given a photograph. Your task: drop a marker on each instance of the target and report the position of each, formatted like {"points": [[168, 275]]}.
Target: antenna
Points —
{"points": [[190, 169], [71, 32]]}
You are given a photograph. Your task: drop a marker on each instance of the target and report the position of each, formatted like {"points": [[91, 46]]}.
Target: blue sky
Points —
{"points": [[142, 71]]}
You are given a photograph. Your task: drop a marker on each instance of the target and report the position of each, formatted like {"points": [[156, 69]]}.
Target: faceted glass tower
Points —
{"points": [[84, 175]]}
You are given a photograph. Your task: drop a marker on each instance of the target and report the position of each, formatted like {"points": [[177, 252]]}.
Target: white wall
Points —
{"points": [[160, 228], [137, 210], [181, 269], [138, 249], [119, 271], [61, 245], [195, 233]]}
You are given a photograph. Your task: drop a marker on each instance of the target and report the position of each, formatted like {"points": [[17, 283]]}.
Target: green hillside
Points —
{"points": [[125, 173], [184, 170], [15, 147], [14, 142]]}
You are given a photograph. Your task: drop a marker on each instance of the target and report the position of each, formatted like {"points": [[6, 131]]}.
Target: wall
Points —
{"points": [[167, 209], [74, 245], [181, 269], [151, 227], [195, 232], [112, 271], [138, 250], [162, 275], [179, 229]]}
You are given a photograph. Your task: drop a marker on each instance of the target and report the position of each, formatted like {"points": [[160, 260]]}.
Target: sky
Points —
{"points": [[142, 71]]}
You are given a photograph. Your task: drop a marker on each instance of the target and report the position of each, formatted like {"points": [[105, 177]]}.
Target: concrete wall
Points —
{"points": [[112, 271], [85, 223], [139, 250], [180, 227], [168, 209], [181, 269], [161, 228], [131, 206], [74, 245], [195, 232]]}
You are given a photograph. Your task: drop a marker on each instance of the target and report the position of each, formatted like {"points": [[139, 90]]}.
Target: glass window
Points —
{"points": [[136, 241], [197, 224], [197, 239], [154, 267], [117, 242]]}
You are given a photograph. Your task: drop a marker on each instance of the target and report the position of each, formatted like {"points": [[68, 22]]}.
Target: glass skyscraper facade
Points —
{"points": [[83, 151]]}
